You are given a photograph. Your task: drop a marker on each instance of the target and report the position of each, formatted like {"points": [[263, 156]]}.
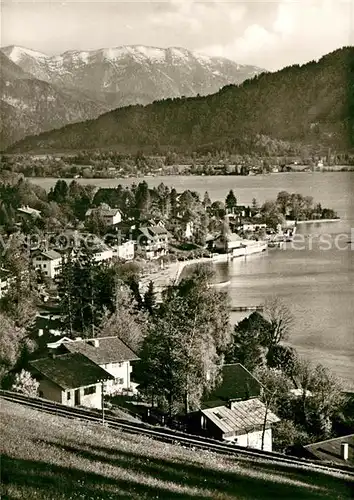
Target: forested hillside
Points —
{"points": [[310, 105]]}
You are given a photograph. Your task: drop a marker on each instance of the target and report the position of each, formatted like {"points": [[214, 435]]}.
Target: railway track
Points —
{"points": [[171, 436]]}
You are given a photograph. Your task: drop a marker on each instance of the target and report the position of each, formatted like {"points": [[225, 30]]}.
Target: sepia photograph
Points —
{"points": [[176, 249]]}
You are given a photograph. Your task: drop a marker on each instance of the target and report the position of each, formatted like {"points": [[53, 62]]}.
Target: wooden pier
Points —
{"points": [[246, 308]]}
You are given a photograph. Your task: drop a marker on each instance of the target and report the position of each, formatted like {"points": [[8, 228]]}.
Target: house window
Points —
{"points": [[89, 390], [119, 381], [68, 396], [120, 364]]}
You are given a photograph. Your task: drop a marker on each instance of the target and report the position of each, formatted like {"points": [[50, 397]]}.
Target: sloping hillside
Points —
{"points": [[46, 457], [310, 104], [29, 105]]}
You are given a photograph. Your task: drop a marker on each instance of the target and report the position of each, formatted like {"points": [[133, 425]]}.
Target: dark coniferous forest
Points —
{"points": [[308, 106]]}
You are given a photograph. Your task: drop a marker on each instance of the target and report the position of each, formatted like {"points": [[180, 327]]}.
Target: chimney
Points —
{"points": [[94, 342], [231, 404], [344, 451]]}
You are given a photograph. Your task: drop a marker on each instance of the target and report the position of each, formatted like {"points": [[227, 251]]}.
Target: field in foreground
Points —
{"points": [[47, 457]]}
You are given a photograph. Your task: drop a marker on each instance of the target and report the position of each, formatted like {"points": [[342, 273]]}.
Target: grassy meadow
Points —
{"points": [[53, 458]]}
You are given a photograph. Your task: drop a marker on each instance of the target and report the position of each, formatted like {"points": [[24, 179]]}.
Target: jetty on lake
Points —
{"points": [[246, 308]]}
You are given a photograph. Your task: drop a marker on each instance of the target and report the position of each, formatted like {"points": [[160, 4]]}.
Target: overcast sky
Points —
{"points": [[264, 33]]}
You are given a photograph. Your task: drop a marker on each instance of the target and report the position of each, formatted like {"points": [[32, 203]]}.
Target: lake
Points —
{"points": [[315, 280]]}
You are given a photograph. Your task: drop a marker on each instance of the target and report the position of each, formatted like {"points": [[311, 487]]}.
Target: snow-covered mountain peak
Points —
{"points": [[16, 53]]}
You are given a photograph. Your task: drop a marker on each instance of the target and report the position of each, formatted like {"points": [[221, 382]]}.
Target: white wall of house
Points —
{"points": [[4, 286], [121, 373], [125, 251], [189, 230], [113, 219], [49, 267], [90, 396], [254, 440], [253, 227], [104, 255]]}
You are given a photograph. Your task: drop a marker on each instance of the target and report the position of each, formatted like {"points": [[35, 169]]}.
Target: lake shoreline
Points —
{"points": [[316, 221]]}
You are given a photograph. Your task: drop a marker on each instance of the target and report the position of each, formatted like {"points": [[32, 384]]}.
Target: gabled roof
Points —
{"points": [[245, 416], [29, 211], [108, 350], [237, 384], [49, 254], [106, 211], [70, 371], [158, 230], [330, 450]]}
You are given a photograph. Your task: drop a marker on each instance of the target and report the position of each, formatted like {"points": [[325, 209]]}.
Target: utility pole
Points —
{"points": [[102, 401]]}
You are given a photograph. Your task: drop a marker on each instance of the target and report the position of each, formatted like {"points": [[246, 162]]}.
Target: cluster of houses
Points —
{"points": [[151, 238], [81, 372]]}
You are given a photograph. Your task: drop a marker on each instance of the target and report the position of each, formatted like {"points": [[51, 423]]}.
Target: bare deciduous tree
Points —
{"points": [[280, 320]]}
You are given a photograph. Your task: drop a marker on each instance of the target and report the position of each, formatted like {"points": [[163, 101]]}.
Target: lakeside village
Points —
{"points": [[95, 312], [115, 165]]}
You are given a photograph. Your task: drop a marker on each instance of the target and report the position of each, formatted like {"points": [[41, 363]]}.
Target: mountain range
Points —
{"points": [[29, 105], [51, 91], [311, 105]]}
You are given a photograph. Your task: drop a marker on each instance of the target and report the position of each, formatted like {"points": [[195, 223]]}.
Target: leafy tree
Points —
{"points": [[20, 301], [275, 385], [324, 400], [283, 201], [95, 224], [126, 322], [271, 214], [181, 354], [283, 358], [287, 434], [246, 345], [217, 209], [25, 384], [13, 341]]}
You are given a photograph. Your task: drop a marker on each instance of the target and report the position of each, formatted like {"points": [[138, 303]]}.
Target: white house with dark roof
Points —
{"points": [[111, 216], [111, 354], [47, 261], [153, 241], [71, 379], [239, 422]]}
